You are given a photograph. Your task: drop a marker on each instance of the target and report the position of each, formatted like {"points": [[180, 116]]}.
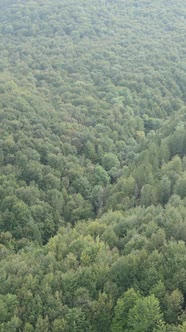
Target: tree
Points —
{"points": [[148, 195], [42, 324], [173, 306], [101, 313], [101, 176], [145, 315], [28, 328], [60, 325], [164, 190], [110, 161], [180, 186], [121, 310]]}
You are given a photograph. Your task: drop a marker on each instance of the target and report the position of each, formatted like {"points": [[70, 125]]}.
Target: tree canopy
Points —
{"points": [[92, 166]]}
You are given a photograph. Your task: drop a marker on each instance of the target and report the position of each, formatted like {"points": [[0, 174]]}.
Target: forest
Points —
{"points": [[92, 166]]}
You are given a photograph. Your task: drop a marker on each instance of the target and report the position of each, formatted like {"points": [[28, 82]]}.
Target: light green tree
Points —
{"points": [[145, 315]]}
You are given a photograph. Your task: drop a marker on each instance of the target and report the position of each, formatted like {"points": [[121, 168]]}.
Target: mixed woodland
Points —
{"points": [[92, 166]]}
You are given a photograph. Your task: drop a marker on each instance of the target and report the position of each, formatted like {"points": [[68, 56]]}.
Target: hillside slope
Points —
{"points": [[92, 166]]}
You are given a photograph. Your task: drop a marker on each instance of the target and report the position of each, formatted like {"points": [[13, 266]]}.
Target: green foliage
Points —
{"points": [[92, 166], [122, 308], [145, 315]]}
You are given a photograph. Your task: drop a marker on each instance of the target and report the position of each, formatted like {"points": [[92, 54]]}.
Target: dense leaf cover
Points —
{"points": [[92, 166]]}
